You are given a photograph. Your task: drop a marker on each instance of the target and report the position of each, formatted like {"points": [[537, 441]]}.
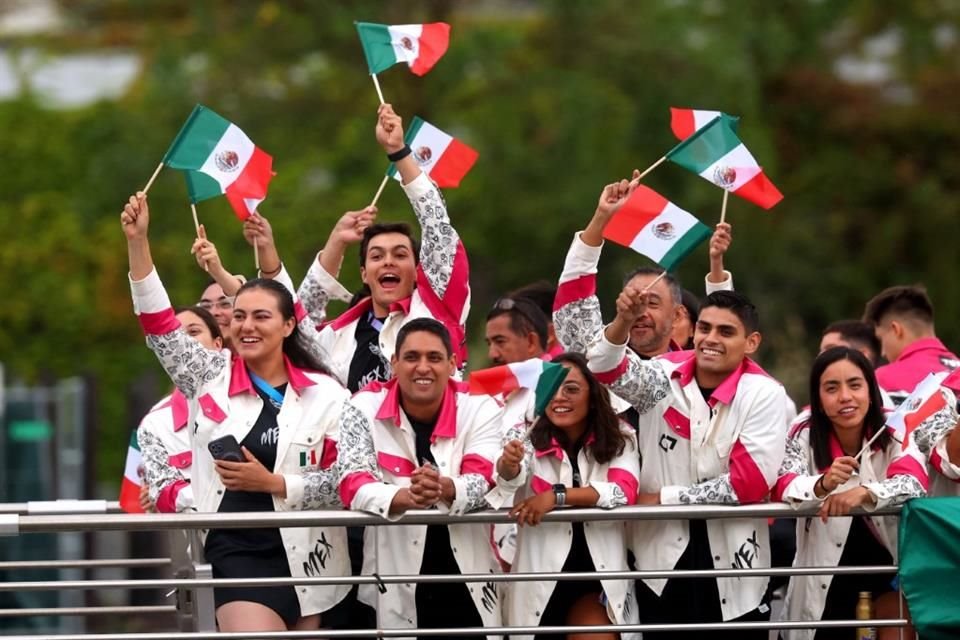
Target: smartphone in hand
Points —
{"points": [[226, 448]]}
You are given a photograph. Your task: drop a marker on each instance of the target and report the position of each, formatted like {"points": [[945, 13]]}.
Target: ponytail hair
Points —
{"points": [[293, 348]]}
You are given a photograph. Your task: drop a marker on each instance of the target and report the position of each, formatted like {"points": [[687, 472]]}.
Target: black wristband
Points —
{"points": [[400, 155]]}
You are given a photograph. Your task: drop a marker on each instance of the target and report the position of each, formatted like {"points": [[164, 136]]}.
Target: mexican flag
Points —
{"points": [[419, 45], [650, 224], [130, 485], [541, 376], [685, 122], [441, 156], [929, 563], [924, 401], [716, 154], [219, 159]]}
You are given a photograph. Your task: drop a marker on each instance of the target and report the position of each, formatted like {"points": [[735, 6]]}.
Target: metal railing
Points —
{"points": [[194, 583]]}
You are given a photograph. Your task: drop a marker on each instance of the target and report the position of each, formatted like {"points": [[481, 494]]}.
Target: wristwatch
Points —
{"points": [[560, 493]]}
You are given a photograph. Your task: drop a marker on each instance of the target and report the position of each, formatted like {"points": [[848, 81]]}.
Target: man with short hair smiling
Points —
{"points": [[404, 280], [903, 320], [418, 442], [711, 431]]}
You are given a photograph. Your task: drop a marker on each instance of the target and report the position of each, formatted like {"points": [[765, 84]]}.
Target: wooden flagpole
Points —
{"points": [[870, 442], [256, 254], [655, 281], [723, 208], [383, 185], [651, 168], [156, 172], [376, 83], [196, 225]]}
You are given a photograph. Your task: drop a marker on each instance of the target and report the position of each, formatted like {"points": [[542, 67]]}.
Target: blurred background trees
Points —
{"points": [[848, 105]]}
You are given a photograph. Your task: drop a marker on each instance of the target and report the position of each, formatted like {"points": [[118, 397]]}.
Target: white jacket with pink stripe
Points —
{"points": [[377, 457], [724, 450]]}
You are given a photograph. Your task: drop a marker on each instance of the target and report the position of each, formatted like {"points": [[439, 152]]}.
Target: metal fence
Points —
{"points": [[192, 582]]}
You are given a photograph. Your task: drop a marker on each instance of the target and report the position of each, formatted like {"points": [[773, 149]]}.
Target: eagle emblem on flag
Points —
{"points": [[725, 176], [227, 161], [422, 155], [664, 231], [406, 43]]}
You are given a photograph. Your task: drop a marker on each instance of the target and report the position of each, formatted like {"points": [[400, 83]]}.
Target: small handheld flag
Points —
{"points": [[541, 376], [717, 155], [650, 224], [132, 478], [219, 159], [685, 122], [419, 45], [441, 156], [924, 401]]}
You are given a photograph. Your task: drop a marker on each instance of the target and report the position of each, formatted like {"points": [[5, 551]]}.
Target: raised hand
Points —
{"points": [[205, 252], [351, 225], [257, 228], [135, 217], [720, 240], [611, 199], [389, 129]]}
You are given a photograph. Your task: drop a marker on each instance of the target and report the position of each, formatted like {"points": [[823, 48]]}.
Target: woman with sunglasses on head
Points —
{"points": [[577, 454], [828, 463], [275, 413]]}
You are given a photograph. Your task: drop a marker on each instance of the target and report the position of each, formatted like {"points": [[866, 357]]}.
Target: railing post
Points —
{"points": [[203, 608]]}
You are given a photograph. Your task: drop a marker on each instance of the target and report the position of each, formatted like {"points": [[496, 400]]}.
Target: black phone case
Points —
{"points": [[226, 448]]}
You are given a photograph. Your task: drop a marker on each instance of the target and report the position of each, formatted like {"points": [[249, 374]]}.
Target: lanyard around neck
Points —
{"points": [[272, 394]]}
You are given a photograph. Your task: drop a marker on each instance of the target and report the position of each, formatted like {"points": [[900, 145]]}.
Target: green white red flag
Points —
{"points": [[419, 45], [924, 401], [543, 377], [685, 122], [219, 159], [441, 156], [716, 154], [132, 478], [650, 224]]}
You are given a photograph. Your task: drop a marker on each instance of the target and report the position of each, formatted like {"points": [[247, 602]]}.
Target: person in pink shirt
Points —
{"points": [[902, 318]]}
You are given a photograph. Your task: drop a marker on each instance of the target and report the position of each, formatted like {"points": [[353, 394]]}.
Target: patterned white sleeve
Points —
{"points": [[439, 240], [185, 360], [642, 383], [157, 470], [316, 291], [577, 319]]}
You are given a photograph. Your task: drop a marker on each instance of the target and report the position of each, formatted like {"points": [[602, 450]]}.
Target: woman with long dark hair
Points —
{"points": [[577, 454], [828, 463], [263, 426]]}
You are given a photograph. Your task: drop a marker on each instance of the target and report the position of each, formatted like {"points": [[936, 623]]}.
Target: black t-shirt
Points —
{"points": [[261, 441], [706, 393], [367, 364], [422, 432]]}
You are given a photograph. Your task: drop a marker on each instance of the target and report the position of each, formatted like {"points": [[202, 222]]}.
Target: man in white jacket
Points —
{"points": [[710, 432], [419, 442]]}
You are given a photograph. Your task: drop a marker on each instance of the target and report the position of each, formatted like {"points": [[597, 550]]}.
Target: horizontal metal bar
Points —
{"points": [[86, 611], [77, 506], [123, 563], [481, 631], [192, 583], [340, 518]]}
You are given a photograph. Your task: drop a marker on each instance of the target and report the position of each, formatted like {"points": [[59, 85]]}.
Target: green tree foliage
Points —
{"points": [[558, 97]]}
